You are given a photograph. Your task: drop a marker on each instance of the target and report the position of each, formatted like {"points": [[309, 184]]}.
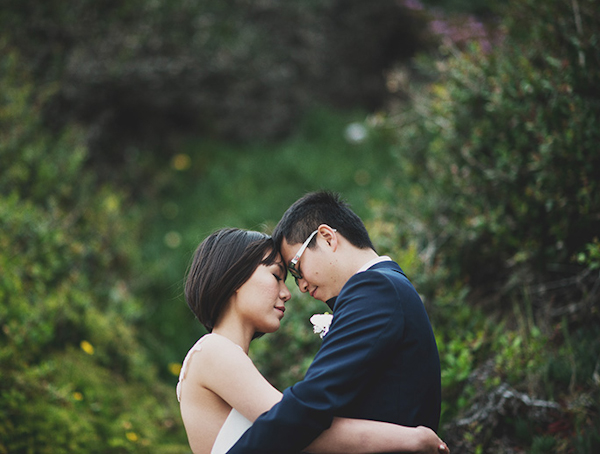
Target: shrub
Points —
{"points": [[497, 196], [73, 376], [502, 149]]}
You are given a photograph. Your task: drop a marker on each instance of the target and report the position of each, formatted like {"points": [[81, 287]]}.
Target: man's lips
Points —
{"points": [[280, 308], [312, 293]]}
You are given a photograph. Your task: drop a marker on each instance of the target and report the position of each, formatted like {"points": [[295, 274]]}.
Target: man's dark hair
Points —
{"points": [[314, 209]]}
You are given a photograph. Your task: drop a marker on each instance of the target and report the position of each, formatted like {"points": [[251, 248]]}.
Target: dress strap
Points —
{"points": [[196, 348]]}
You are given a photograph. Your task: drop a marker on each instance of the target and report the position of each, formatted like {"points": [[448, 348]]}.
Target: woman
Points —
{"points": [[236, 287]]}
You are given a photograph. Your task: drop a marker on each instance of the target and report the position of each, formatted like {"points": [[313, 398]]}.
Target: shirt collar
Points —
{"points": [[366, 266], [331, 302]]}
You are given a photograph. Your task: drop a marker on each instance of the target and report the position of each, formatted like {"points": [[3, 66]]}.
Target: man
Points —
{"points": [[379, 359]]}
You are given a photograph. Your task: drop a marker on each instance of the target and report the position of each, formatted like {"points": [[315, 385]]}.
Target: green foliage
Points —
{"points": [[504, 147], [73, 376], [493, 185], [543, 444], [139, 73], [591, 255], [497, 191]]}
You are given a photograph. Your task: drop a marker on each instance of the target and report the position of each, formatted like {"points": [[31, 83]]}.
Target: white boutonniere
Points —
{"points": [[321, 323]]}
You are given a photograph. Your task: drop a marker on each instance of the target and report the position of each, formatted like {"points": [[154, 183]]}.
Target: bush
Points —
{"points": [[139, 73], [496, 205], [502, 150], [74, 377]]}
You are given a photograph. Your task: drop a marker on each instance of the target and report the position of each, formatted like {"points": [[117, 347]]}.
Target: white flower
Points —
{"points": [[321, 323], [355, 133]]}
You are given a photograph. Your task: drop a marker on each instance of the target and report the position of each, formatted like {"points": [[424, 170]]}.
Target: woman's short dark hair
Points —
{"points": [[316, 208], [223, 262]]}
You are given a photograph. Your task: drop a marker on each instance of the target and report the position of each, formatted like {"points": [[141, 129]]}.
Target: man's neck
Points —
{"points": [[361, 257]]}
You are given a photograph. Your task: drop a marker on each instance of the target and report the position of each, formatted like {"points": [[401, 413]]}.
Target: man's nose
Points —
{"points": [[302, 285]]}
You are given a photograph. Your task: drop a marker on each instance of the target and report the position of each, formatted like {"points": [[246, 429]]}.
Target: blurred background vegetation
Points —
{"points": [[465, 135]]}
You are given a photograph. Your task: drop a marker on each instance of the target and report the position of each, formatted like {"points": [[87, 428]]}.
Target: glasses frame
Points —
{"points": [[292, 265]]}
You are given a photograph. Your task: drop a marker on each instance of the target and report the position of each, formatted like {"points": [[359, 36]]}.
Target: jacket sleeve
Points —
{"points": [[367, 319]]}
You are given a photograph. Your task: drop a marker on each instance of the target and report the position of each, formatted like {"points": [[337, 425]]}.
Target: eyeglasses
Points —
{"points": [[292, 266]]}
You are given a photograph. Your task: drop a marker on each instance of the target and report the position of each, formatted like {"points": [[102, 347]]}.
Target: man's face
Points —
{"points": [[316, 266]]}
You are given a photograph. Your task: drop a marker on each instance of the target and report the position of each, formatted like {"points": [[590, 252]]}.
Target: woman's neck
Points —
{"points": [[235, 335]]}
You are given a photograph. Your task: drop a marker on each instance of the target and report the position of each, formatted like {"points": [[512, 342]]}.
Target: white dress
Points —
{"points": [[234, 426]]}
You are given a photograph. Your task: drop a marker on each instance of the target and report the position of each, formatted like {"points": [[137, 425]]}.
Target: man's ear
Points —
{"points": [[329, 234]]}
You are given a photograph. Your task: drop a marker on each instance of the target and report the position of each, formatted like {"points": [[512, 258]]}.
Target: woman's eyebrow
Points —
{"points": [[282, 267]]}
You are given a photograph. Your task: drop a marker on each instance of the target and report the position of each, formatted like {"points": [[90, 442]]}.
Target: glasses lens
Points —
{"points": [[294, 272], [292, 266]]}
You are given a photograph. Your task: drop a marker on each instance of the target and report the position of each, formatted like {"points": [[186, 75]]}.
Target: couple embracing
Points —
{"points": [[374, 385]]}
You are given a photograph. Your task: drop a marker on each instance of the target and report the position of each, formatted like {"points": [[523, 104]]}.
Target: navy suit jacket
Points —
{"points": [[378, 361]]}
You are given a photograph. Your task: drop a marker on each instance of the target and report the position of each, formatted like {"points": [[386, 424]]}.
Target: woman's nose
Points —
{"points": [[285, 293]]}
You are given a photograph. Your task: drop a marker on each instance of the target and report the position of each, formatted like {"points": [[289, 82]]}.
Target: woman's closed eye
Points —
{"points": [[279, 272]]}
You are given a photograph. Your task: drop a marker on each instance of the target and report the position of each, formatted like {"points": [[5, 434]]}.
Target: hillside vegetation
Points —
{"points": [[474, 164]]}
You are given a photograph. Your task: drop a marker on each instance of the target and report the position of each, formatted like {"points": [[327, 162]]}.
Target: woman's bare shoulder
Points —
{"points": [[217, 343], [215, 353]]}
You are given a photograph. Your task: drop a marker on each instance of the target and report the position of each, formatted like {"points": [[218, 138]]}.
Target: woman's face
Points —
{"points": [[260, 301]]}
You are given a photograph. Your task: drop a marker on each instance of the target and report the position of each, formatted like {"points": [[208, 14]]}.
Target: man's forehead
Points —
{"points": [[288, 250]]}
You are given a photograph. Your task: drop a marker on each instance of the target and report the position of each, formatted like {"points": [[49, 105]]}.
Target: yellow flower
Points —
{"points": [[77, 395], [87, 347], [132, 436], [181, 161], [111, 203], [172, 239], [175, 368]]}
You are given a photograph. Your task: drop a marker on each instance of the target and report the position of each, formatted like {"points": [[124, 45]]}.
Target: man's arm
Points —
{"points": [[367, 319]]}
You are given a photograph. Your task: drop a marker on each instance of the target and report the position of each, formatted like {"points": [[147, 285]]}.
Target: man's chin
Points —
{"points": [[319, 295]]}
